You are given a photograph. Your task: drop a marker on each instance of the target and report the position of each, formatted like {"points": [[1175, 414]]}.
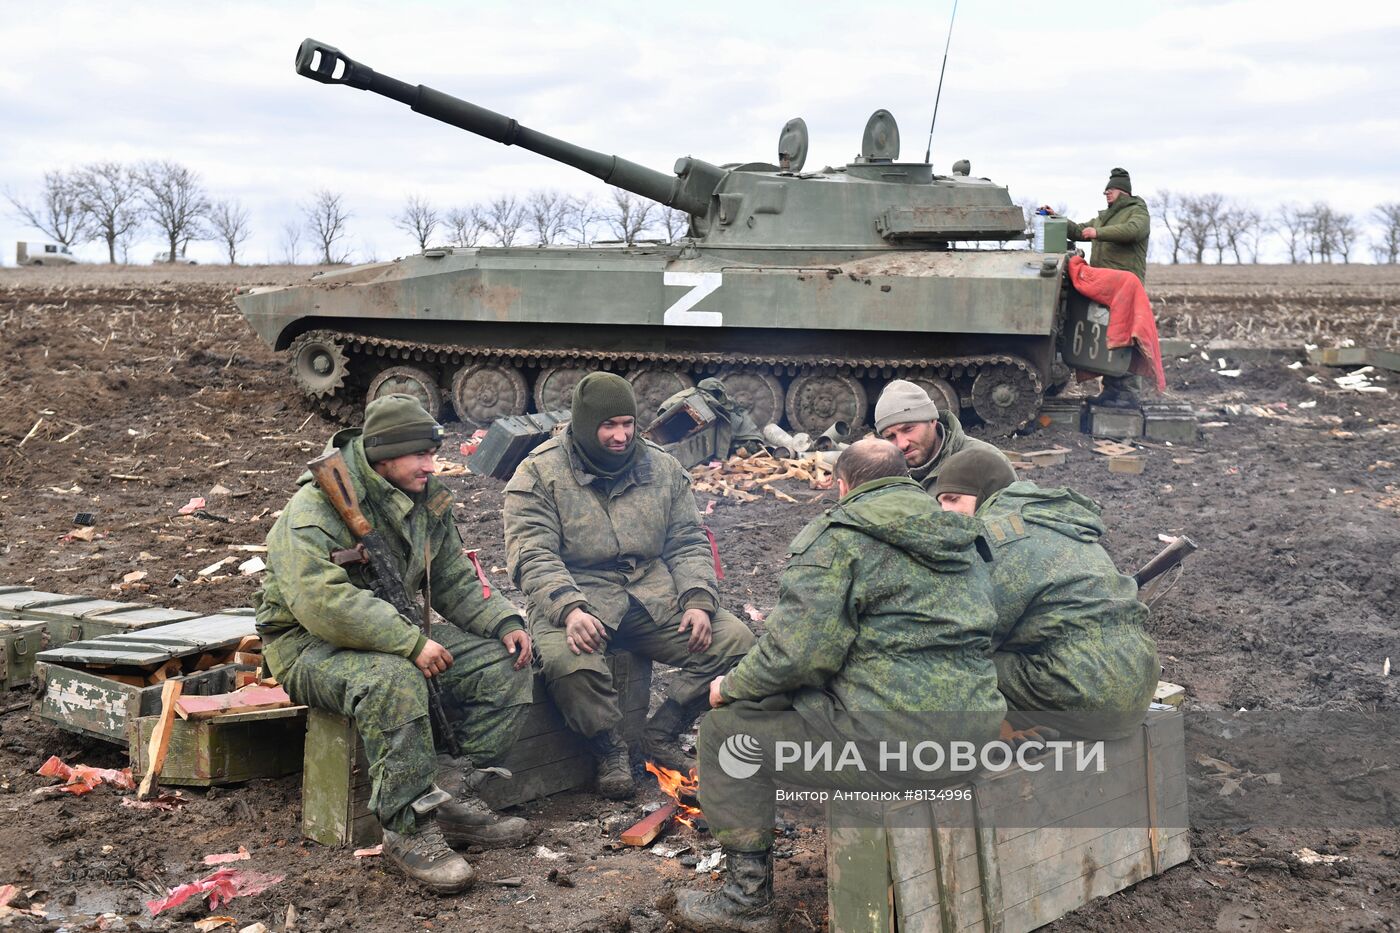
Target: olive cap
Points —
{"points": [[397, 425]]}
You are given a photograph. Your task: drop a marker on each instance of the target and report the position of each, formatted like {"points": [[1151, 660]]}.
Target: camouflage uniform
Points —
{"points": [[631, 552], [1070, 628], [884, 611], [954, 440], [336, 646]]}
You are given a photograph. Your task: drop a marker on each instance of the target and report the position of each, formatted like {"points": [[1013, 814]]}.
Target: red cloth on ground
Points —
{"points": [[1130, 321]]}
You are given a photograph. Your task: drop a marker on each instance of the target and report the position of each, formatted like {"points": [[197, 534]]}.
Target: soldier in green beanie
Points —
{"points": [[1070, 648], [603, 536], [334, 645]]}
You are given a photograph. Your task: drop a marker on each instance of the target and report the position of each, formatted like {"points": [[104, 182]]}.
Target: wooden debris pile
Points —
{"points": [[746, 478], [248, 653]]}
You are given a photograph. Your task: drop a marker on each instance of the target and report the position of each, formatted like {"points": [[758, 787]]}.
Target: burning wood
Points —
{"points": [[682, 789]]}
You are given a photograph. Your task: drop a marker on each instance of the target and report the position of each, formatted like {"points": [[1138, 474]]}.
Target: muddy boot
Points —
{"points": [[613, 764], [466, 820], [1119, 392], [424, 855], [663, 732], [743, 905]]}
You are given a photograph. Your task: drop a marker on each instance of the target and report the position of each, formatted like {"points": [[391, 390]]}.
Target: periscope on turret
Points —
{"points": [[803, 291]]}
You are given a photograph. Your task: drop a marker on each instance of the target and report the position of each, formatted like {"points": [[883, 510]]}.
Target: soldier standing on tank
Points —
{"points": [[603, 536], [883, 620], [906, 417], [1070, 648], [336, 646], [1119, 233]]}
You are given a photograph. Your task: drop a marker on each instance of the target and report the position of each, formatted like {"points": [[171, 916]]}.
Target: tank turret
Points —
{"points": [[874, 202]]}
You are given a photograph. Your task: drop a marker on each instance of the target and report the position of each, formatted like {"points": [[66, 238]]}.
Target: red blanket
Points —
{"points": [[1130, 321]]}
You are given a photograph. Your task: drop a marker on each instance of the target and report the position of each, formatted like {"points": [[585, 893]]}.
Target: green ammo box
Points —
{"points": [[19, 643], [225, 749], [510, 439], [1102, 421], [1063, 412], [1170, 422], [93, 618], [15, 602]]}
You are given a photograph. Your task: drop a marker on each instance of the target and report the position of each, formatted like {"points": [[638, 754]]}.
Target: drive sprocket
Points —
{"points": [[319, 364]]}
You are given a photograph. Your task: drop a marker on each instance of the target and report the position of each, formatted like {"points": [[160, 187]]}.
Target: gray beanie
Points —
{"points": [[396, 425], [903, 402]]}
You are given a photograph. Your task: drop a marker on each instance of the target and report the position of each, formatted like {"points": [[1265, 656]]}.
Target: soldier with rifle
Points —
{"points": [[435, 705]]}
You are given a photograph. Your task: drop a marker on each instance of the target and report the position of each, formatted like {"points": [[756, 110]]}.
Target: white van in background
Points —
{"points": [[43, 254], [164, 256]]}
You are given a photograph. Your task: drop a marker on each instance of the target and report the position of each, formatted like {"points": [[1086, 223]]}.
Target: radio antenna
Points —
{"points": [[939, 95]]}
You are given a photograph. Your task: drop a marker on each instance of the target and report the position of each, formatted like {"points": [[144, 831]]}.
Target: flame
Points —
{"points": [[677, 786]]}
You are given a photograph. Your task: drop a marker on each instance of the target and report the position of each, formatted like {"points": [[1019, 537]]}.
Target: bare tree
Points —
{"points": [[1236, 226], [547, 214], [583, 219], [291, 242], [59, 212], [1387, 246], [1344, 234], [630, 216], [109, 194], [466, 226], [1293, 223], [326, 217], [1199, 215], [230, 222], [174, 201], [418, 219], [504, 217], [1164, 207], [676, 223], [1321, 234]]}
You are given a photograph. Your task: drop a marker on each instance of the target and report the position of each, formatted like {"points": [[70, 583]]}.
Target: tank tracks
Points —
{"points": [[1006, 392]]}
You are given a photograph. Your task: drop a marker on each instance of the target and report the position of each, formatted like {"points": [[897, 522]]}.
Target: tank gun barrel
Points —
{"points": [[689, 190]]}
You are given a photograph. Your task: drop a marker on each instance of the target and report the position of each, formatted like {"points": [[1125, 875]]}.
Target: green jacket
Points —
{"points": [[573, 539], [1121, 231], [304, 590], [1072, 621], [885, 605], [954, 440]]}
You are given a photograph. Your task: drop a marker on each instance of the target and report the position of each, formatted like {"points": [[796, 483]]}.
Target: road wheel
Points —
{"points": [[1006, 398], [319, 365], [654, 386], [816, 401], [483, 392], [408, 380], [942, 393], [554, 387], [761, 393]]}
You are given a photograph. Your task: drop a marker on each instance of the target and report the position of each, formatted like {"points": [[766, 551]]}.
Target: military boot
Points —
{"points": [[743, 905], [1119, 392], [613, 764], [663, 732], [423, 855], [466, 820]]}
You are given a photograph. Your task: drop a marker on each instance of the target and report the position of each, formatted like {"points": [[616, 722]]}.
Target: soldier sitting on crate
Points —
{"points": [[336, 646], [603, 536], [1070, 648], [907, 418], [883, 623]]}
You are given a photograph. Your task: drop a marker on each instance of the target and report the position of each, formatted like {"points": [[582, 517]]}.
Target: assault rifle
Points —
{"points": [[333, 477], [1167, 558]]}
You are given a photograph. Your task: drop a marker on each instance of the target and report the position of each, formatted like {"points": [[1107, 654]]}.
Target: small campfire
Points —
{"points": [[683, 808]]}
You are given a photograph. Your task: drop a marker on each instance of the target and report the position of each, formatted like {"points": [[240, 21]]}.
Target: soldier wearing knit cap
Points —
{"points": [[907, 417], [603, 537], [1069, 646], [335, 645]]}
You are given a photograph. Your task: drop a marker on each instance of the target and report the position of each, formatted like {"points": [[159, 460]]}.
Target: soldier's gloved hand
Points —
{"points": [[518, 644], [433, 659], [701, 634], [583, 631]]}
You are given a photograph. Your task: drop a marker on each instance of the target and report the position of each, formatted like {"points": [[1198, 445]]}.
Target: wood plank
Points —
{"points": [[645, 830], [160, 737], [241, 701]]}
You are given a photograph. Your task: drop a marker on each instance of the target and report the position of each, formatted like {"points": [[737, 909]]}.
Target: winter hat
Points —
{"points": [[396, 425], [1118, 178], [598, 397], [903, 402], [974, 472]]}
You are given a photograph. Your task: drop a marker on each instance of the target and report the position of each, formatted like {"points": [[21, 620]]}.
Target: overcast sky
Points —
{"points": [[1266, 100]]}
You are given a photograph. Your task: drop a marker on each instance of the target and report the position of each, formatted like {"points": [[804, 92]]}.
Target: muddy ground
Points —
{"points": [[125, 392]]}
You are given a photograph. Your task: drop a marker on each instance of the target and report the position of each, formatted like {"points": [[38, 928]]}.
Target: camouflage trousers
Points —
{"points": [[387, 696], [581, 684], [1094, 686]]}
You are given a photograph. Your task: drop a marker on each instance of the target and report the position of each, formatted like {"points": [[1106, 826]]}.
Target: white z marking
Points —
{"points": [[702, 284]]}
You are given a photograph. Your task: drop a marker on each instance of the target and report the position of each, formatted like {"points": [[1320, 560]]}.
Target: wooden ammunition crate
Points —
{"points": [[547, 759], [1027, 848], [1102, 421], [1170, 422], [510, 439], [1062, 412], [225, 749], [78, 686], [19, 643], [16, 600]]}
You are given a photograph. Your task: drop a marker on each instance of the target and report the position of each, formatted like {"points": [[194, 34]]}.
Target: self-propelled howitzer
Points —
{"points": [[804, 291]]}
